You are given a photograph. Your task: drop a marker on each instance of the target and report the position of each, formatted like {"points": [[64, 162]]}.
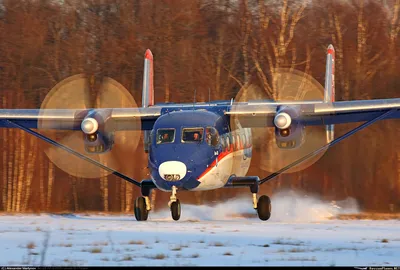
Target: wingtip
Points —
{"points": [[330, 50], [148, 55]]}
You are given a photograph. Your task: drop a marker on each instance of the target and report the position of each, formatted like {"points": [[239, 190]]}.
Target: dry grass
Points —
{"points": [[192, 220], [295, 250], [134, 242], [30, 245], [159, 256], [65, 245], [93, 250], [384, 240], [303, 259], [281, 241], [370, 216], [177, 248], [228, 254], [96, 244], [217, 244], [127, 258]]}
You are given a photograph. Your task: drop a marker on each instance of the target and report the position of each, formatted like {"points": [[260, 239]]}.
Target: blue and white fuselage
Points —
{"points": [[202, 163]]}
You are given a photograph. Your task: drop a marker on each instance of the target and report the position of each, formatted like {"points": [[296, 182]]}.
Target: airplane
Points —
{"points": [[195, 146]]}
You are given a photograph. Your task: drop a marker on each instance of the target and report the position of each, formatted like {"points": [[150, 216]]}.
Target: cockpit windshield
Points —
{"points": [[192, 134], [165, 135]]}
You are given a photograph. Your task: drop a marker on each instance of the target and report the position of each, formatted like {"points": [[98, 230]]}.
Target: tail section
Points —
{"points": [[148, 91], [329, 94], [148, 86]]}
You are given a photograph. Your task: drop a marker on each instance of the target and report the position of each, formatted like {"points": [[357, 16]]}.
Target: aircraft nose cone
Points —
{"points": [[172, 170]]}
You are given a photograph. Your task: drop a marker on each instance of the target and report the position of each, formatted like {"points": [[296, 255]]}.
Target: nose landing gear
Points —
{"points": [[174, 205]]}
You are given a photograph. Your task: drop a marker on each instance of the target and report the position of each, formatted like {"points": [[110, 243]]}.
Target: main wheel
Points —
{"points": [[176, 210], [141, 212], [264, 207]]}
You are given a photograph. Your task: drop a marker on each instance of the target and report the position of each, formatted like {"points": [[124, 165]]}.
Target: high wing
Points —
{"points": [[262, 114], [71, 119]]}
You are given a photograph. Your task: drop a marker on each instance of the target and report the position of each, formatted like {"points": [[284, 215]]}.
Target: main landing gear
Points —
{"points": [[142, 204], [262, 205]]}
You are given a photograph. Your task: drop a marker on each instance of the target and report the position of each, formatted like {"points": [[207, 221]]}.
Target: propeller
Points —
{"points": [[84, 92], [289, 85]]}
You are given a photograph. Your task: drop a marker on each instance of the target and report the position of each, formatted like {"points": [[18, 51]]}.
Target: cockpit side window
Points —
{"points": [[212, 136], [165, 135], [192, 134]]}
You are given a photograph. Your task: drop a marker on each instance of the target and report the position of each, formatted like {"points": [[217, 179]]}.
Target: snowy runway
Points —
{"points": [[201, 238]]}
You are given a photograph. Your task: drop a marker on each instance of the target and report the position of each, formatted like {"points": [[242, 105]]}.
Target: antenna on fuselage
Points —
{"points": [[209, 96], [194, 98]]}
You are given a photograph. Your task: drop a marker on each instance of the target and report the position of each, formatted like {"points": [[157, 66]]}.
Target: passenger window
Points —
{"points": [[192, 134], [165, 135], [228, 145], [234, 142], [212, 136], [223, 144]]}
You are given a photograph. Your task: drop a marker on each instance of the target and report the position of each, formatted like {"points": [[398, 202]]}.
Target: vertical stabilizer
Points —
{"points": [[329, 94], [148, 86], [148, 91]]}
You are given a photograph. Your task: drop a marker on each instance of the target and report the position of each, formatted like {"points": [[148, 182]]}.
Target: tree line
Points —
{"points": [[207, 47]]}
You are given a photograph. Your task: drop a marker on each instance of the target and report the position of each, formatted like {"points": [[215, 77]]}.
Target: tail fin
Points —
{"points": [[147, 92], [329, 94], [148, 86]]}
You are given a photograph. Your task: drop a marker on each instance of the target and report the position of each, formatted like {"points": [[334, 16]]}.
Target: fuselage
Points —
{"points": [[197, 150]]}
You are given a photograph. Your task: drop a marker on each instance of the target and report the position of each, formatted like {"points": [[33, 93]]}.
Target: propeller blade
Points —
{"points": [[288, 85], [78, 92]]}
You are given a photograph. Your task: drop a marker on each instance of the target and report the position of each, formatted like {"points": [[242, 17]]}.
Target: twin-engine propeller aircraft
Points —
{"points": [[196, 146]]}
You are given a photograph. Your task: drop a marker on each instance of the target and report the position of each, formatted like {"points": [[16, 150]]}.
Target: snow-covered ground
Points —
{"points": [[299, 233]]}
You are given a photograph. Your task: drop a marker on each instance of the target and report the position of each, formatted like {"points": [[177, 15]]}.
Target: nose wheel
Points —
{"points": [[174, 205], [176, 210]]}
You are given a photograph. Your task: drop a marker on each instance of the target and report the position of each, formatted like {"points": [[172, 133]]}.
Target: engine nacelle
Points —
{"points": [[289, 133], [98, 132]]}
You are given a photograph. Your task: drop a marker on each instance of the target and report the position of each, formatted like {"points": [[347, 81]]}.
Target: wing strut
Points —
{"points": [[335, 141], [71, 151]]}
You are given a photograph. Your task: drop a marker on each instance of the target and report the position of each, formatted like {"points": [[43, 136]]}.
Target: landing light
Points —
{"points": [[92, 137], [284, 132]]}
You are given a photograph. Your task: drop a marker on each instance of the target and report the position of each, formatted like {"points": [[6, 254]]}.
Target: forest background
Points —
{"points": [[221, 45]]}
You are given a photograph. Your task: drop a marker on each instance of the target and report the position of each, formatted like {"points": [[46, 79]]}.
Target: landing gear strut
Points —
{"points": [[142, 204], [262, 204], [174, 205]]}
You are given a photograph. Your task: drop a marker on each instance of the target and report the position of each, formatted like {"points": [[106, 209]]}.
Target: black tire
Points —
{"points": [[264, 207], [141, 212], [176, 210]]}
